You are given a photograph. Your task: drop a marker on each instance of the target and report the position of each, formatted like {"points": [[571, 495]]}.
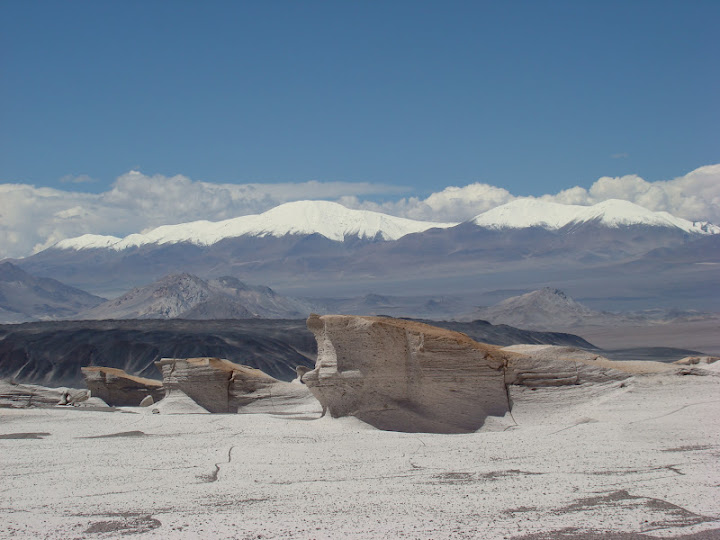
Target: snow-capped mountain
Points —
{"points": [[311, 247], [613, 213], [300, 218]]}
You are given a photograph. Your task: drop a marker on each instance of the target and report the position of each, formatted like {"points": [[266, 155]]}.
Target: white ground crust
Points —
{"points": [[639, 458]]}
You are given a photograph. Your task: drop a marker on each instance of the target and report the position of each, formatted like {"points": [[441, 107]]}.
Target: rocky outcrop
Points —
{"points": [[537, 366], [220, 386], [14, 395], [694, 360], [406, 376], [118, 388]]}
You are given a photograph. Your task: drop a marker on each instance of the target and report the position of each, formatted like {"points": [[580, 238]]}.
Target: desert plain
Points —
{"points": [[636, 460]]}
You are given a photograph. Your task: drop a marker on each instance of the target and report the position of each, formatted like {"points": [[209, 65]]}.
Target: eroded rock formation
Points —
{"points": [[407, 376], [118, 388], [16, 395], [221, 386], [694, 360]]}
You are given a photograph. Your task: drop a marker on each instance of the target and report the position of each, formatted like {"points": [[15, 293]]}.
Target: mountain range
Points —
{"points": [[301, 218], [184, 296], [24, 297], [322, 249], [548, 308]]}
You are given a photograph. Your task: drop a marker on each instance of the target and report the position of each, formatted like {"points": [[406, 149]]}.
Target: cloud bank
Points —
{"points": [[694, 196], [32, 219]]}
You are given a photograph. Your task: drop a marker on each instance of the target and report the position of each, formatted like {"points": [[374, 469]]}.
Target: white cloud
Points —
{"points": [[694, 196], [450, 204], [33, 218]]}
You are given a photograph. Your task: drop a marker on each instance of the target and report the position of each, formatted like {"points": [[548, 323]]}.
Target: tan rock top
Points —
{"points": [[221, 386], [219, 364], [412, 326], [120, 373]]}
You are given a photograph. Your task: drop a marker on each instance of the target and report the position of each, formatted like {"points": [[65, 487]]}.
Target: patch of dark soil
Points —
{"points": [[467, 478], [24, 436], [124, 524], [689, 448], [571, 533], [121, 434]]}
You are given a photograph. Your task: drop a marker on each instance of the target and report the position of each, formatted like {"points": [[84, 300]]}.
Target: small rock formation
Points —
{"points": [[118, 388], [693, 360], [14, 395], [403, 375], [71, 397], [147, 401], [220, 386]]}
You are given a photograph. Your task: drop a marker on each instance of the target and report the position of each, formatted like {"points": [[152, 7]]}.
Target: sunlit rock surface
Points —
{"points": [[221, 386], [118, 388], [405, 376]]}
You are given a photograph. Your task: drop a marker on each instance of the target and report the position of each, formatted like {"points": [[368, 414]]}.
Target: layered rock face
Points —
{"points": [[118, 388], [31, 395], [221, 386], [405, 376]]}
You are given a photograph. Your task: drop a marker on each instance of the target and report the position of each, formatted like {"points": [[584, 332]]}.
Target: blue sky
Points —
{"points": [[533, 97]]}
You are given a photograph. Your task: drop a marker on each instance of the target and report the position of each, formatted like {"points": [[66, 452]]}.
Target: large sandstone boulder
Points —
{"points": [[407, 376], [117, 388], [221, 386]]}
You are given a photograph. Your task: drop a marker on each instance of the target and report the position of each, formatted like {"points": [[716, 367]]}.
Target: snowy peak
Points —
{"points": [[329, 219], [614, 213], [88, 241]]}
